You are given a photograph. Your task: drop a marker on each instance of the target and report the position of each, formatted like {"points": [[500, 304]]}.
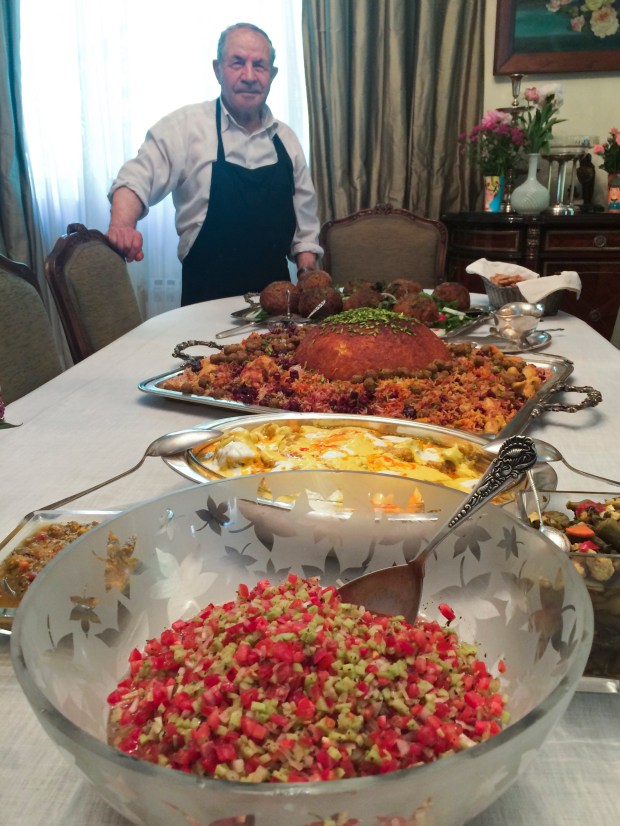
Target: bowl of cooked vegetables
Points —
{"points": [[212, 674], [591, 523]]}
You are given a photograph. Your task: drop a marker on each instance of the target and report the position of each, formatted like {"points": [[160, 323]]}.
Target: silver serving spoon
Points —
{"points": [[557, 537], [548, 453], [167, 445], [397, 591], [271, 321]]}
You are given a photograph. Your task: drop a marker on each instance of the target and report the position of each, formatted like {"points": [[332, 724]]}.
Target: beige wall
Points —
{"points": [[591, 101]]}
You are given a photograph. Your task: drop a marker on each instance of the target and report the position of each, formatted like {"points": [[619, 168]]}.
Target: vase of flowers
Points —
{"points": [[610, 153], [537, 122], [492, 145]]}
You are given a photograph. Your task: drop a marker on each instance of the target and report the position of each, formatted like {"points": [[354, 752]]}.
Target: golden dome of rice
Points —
{"points": [[357, 341]]}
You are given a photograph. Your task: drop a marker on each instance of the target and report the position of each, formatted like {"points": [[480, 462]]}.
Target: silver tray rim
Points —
{"points": [[561, 368]]}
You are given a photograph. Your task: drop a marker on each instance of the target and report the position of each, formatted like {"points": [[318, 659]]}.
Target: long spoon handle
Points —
{"points": [[516, 456], [613, 482], [81, 493], [53, 505]]}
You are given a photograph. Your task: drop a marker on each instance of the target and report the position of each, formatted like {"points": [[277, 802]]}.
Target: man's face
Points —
{"points": [[245, 74]]}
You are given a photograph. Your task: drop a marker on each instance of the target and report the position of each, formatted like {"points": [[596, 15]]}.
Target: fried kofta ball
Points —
{"points": [[401, 287], [279, 297], [451, 291], [421, 306], [316, 278], [309, 299], [363, 297], [356, 284]]}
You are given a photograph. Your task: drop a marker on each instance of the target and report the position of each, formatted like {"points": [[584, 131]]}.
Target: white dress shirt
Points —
{"points": [[177, 157]]}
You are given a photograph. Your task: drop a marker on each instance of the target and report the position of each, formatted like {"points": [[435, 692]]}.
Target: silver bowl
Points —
{"points": [[517, 320]]}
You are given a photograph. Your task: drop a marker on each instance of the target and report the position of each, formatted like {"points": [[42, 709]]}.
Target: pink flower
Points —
{"points": [[493, 118], [610, 152], [577, 23], [532, 95]]}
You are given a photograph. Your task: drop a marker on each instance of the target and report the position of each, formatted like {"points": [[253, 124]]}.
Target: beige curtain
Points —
{"points": [[391, 85]]}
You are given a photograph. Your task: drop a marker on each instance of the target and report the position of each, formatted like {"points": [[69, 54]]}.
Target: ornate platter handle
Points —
{"points": [[593, 397], [178, 353]]}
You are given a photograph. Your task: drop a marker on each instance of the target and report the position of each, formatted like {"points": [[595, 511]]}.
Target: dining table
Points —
{"points": [[92, 422]]}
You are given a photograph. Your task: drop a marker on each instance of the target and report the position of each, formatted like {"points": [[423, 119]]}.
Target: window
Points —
{"points": [[97, 74]]}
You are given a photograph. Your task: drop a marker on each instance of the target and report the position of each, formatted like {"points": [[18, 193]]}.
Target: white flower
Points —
{"points": [[604, 22], [594, 5], [546, 90]]}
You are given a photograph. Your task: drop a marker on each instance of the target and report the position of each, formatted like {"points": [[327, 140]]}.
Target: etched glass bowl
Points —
{"points": [[513, 592]]}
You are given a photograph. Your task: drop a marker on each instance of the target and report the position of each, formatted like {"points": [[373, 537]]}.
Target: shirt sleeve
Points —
{"points": [[306, 238], [159, 165]]}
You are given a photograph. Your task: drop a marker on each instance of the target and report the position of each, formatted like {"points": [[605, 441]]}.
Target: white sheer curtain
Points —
{"points": [[97, 73]]}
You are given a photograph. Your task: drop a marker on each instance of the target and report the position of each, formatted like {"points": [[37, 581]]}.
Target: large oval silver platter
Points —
{"points": [[560, 369]]}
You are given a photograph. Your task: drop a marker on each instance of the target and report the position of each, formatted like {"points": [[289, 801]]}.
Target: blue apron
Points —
{"points": [[248, 230]]}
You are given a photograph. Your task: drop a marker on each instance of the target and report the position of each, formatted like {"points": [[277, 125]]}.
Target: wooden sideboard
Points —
{"points": [[587, 243]]}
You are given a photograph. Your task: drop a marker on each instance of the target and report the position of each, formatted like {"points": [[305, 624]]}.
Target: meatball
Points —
{"points": [[363, 297], [317, 278], [401, 287], [451, 291], [279, 297], [356, 284], [309, 299], [420, 306]]}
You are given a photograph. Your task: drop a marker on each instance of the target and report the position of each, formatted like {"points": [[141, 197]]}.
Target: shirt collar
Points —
{"points": [[269, 123]]}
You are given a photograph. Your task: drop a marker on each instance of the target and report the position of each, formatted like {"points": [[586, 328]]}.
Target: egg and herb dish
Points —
{"points": [[274, 447]]}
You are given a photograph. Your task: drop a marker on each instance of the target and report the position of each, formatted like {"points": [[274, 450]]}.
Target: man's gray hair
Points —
{"points": [[221, 43]]}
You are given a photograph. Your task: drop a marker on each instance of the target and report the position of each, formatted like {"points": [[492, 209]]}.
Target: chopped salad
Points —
{"points": [[289, 684]]}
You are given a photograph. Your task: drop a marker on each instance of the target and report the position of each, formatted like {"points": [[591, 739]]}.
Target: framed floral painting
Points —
{"points": [[557, 36]]}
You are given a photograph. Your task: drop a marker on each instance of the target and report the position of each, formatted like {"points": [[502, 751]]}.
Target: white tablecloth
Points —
{"points": [[91, 423]]}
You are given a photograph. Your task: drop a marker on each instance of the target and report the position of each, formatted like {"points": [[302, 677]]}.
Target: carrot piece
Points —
{"points": [[579, 532]]}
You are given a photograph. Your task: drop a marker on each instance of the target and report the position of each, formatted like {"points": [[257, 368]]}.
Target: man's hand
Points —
{"points": [[128, 240], [306, 261], [122, 232]]}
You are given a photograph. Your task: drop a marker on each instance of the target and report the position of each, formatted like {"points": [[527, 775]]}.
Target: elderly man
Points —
{"points": [[241, 187]]}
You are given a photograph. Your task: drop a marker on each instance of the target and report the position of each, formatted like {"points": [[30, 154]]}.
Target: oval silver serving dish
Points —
{"points": [[191, 467]]}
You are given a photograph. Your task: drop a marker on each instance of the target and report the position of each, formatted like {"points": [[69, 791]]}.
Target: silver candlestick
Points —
{"points": [[514, 110]]}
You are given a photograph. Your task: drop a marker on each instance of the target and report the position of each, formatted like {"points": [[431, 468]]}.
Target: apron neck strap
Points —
{"points": [[218, 126]]}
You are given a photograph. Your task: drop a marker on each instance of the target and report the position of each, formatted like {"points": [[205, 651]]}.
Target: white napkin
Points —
{"points": [[537, 290], [488, 268], [533, 288]]}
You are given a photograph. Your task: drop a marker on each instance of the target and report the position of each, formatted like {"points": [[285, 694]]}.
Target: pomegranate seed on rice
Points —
{"points": [[287, 684]]}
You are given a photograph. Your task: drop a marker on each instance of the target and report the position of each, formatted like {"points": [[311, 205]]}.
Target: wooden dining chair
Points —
{"points": [[28, 353], [385, 243], [94, 295]]}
